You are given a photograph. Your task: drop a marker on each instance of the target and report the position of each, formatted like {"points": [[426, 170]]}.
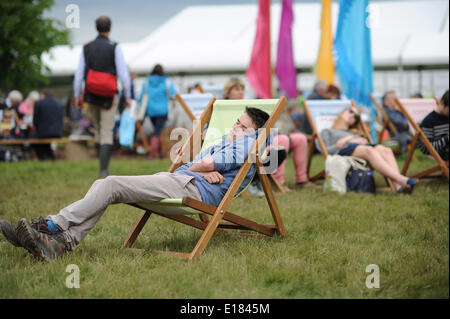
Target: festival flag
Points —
{"points": [[352, 46], [259, 70], [285, 68], [325, 64]]}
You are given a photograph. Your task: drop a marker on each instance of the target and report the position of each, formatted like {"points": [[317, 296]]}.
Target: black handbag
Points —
{"points": [[360, 181]]}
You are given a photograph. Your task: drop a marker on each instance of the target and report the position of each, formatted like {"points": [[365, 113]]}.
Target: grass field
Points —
{"points": [[330, 241]]}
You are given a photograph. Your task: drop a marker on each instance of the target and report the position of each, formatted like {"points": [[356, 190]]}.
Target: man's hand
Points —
{"points": [[78, 103], [213, 177], [127, 102]]}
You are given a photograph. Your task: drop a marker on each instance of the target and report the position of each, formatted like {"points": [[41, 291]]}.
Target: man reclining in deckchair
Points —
{"points": [[206, 178]]}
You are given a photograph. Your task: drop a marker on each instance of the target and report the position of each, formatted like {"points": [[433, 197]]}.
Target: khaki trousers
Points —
{"points": [[104, 121], [77, 219]]}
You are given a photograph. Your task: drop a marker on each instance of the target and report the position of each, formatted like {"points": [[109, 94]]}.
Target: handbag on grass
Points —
{"points": [[359, 177]]}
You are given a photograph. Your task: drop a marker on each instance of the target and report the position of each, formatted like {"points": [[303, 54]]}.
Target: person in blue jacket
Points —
{"points": [[159, 89]]}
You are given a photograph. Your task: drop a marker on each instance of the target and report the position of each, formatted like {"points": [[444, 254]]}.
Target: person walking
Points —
{"points": [[157, 90], [100, 63]]}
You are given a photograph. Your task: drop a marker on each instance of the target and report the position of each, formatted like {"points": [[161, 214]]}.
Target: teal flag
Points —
{"points": [[352, 48]]}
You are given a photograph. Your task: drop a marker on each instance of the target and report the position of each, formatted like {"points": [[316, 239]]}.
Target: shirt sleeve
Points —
{"points": [[79, 74], [122, 71]]}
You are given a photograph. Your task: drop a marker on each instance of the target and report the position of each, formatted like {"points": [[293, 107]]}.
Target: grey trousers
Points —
{"points": [[77, 219], [104, 121]]}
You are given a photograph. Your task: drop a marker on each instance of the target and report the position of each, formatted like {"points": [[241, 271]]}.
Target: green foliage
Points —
{"points": [[330, 240], [25, 35]]}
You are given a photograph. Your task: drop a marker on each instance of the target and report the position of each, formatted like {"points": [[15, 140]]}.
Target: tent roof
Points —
{"points": [[220, 38]]}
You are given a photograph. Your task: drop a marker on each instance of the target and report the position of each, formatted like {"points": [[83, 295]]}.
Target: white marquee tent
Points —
{"points": [[220, 38]]}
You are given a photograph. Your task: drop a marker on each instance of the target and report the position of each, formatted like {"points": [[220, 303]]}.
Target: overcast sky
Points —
{"points": [[132, 19]]}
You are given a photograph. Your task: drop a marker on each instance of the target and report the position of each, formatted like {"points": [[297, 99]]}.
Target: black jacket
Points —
{"points": [[48, 118]]}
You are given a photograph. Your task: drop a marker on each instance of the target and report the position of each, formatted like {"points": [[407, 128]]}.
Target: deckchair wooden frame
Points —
{"points": [[221, 218], [420, 135], [316, 135]]}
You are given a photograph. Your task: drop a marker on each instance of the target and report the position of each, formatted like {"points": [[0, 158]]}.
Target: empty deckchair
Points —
{"points": [[322, 114], [220, 115], [415, 111]]}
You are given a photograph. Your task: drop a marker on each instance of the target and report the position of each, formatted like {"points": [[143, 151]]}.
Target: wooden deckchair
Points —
{"points": [[220, 115], [415, 111], [322, 114], [194, 105]]}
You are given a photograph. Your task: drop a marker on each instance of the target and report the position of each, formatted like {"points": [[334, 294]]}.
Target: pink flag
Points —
{"points": [[285, 68], [258, 72]]}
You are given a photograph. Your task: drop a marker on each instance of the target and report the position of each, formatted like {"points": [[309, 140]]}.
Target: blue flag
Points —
{"points": [[353, 53]]}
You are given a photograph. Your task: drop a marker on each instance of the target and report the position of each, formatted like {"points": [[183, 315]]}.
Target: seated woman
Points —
{"points": [[345, 139]]}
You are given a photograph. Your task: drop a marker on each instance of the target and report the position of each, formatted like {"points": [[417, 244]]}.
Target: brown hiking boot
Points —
{"points": [[42, 244], [9, 231]]}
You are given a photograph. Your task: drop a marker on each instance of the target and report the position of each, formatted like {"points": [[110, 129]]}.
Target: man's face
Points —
{"points": [[243, 126], [389, 101]]}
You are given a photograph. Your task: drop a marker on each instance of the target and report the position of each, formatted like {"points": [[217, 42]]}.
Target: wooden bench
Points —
{"points": [[74, 149]]}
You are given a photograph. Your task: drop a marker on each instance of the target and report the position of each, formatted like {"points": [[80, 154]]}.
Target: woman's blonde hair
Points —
{"points": [[231, 83], [339, 124]]}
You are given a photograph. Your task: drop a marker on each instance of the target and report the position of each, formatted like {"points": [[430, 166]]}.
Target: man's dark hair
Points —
{"points": [[258, 116], [157, 70], [103, 24], [445, 99]]}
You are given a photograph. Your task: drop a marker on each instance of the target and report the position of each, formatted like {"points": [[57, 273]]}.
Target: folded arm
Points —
{"points": [[205, 167]]}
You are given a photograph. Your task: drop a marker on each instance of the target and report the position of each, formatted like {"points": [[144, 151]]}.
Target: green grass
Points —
{"points": [[330, 240]]}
